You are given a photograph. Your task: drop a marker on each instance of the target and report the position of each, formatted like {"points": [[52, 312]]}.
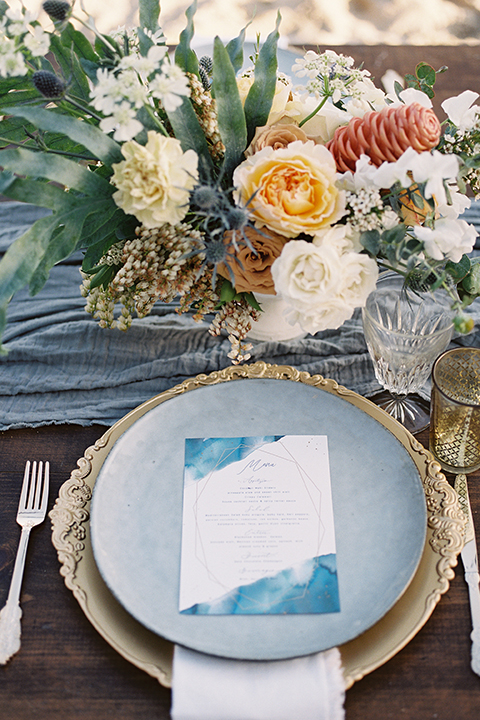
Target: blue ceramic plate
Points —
{"points": [[378, 498]]}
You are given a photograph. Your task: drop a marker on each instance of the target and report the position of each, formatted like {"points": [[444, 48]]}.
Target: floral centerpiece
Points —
{"points": [[216, 181]]}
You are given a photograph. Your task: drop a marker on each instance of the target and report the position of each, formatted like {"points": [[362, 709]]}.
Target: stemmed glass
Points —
{"points": [[405, 331]]}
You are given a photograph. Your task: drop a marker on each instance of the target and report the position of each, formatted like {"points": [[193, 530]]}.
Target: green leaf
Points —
{"points": [[184, 55], [93, 139], [63, 241], [3, 8], [458, 271], [235, 49], [259, 100], [370, 239], [471, 283], [90, 68], [187, 129], [252, 300], [63, 48], [56, 168], [33, 191], [227, 292], [149, 11], [230, 115], [426, 73]]}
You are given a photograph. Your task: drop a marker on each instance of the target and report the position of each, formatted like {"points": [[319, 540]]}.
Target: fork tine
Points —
{"points": [[37, 482], [46, 483], [24, 494], [31, 487]]}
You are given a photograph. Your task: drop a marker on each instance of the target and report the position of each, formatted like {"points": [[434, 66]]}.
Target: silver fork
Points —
{"points": [[31, 511]]}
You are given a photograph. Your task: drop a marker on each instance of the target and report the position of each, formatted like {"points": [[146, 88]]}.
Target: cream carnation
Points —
{"points": [[154, 180], [322, 285], [291, 190]]}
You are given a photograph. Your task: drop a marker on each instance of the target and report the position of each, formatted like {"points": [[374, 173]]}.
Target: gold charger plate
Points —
{"points": [[151, 653]]}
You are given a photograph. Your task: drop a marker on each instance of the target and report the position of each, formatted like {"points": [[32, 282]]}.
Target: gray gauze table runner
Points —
{"points": [[63, 368]]}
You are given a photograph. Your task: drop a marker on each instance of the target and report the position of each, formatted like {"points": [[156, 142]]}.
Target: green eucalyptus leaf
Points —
{"points": [[471, 283], [426, 73], [91, 137], [3, 8], [370, 239], [56, 168], [460, 270], [259, 100], [184, 55], [231, 119], [149, 12]]}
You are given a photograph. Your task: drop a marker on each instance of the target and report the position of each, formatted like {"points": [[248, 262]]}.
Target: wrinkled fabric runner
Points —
{"points": [[63, 368]]}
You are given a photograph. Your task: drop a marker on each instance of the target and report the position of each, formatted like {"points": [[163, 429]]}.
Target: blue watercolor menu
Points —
{"points": [[258, 533]]}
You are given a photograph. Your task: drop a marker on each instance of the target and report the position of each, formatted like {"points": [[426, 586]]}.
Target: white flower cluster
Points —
{"points": [[450, 237], [135, 83], [333, 75], [20, 32]]}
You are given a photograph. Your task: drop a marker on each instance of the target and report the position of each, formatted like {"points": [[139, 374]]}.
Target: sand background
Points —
{"points": [[322, 22]]}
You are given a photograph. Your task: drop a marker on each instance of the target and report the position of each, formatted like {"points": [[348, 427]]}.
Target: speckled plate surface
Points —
{"points": [[378, 498]]}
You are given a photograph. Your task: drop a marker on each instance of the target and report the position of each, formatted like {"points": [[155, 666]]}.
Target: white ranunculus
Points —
{"points": [[449, 239]]}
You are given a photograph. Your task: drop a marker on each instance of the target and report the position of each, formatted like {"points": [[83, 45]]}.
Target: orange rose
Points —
{"points": [[250, 269], [276, 136]]}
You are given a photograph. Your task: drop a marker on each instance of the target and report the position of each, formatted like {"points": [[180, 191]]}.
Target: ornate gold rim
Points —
{"points": [[71, 538]]}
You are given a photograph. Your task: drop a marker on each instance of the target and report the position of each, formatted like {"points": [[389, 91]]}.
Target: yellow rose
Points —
{"points": [[291, 190], [154, 181]]}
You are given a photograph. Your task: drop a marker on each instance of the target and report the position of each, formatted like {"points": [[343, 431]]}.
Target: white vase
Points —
{"points": [[272, 324]]}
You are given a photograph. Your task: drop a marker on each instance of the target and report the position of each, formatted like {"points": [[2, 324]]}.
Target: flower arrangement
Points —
{"points": [[203, 180]]}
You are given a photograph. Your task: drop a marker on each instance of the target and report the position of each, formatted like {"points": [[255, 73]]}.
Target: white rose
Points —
{"points": [[322, 285]]}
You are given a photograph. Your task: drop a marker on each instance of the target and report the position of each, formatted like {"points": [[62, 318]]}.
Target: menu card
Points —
{"points": [[258, 532]]}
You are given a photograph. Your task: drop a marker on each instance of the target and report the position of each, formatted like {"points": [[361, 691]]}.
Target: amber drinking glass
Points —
{"points": [[455, 410]]}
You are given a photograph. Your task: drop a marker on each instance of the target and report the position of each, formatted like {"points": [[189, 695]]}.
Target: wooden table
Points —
{"points": [[65, 669]]}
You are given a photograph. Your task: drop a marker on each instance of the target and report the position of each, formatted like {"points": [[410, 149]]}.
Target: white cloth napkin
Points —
{"points": [[211, 688]]}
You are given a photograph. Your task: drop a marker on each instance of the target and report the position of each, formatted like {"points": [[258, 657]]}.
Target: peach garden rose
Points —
{"points": [[291, 190]]}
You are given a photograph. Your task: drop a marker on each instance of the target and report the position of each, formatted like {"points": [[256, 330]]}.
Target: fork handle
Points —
{"points": [[10, 628]]}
